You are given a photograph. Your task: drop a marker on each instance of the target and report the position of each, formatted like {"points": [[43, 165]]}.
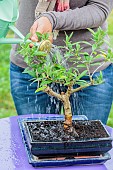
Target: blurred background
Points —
{"points": [[6, 103]]}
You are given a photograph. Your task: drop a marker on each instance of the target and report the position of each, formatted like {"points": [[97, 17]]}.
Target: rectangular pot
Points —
{"points": [[93, 146]]}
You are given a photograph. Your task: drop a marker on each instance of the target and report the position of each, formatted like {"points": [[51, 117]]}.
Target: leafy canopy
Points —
{"points": [[47, 68]]}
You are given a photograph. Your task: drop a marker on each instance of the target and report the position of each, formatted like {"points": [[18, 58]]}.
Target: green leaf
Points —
{"points": [[27, 36], [44, 75], [30, 72], [88, 58], [45, 36], [45, 82], [82, 83], [81, 65], [40, 53], [77, 46], [39, 35], [62, 77], [99, 79], [98, 56], [59, 57], [101, 75], [85, 42], [85, 53], [84, 73], [26, 59], [38, 79], [94, 47], [68, 37], [91, 31], [41, 89], [95, 64]]}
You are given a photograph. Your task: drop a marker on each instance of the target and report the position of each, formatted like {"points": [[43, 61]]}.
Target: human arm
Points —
{"points": [[92, 15]]}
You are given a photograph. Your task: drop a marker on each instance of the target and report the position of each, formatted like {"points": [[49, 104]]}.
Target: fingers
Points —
{"points": [[33, 31], [33, 28], [62, 5], [66, 6], [43, 26]]}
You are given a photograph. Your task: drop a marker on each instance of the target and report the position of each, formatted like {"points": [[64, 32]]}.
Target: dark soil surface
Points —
{"points": [[53, 131]]}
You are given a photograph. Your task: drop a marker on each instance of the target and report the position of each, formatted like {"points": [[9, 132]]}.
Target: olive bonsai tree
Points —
{"points": [[52, 67]]}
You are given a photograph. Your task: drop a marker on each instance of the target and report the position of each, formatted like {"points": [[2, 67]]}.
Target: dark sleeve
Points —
{"points": [[92, 15]]}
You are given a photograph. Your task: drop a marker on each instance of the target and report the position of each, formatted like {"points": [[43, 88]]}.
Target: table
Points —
{"points": [[13, 155]]}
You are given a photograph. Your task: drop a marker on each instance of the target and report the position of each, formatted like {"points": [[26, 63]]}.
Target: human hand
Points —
{"points": [[41, 25], [62, 5]]}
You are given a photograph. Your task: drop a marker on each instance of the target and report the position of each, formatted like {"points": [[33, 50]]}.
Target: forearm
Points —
{"points": [[90, 16]]}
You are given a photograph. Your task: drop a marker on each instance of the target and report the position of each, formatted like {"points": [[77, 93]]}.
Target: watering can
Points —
{"points": [[8, 16]]}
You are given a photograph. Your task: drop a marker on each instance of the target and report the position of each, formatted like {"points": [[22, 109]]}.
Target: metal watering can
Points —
{"points": [[8, 16]]}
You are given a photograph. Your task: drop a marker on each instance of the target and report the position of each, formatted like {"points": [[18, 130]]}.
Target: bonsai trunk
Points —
{"points": [[64, 97], [68, 114], [67, 110]]}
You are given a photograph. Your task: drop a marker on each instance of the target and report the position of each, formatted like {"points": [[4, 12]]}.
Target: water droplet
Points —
{"points": [[27, 88], [28, 99]]}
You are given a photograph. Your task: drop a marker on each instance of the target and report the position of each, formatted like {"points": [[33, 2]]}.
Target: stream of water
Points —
{"points": [[77, 104]]}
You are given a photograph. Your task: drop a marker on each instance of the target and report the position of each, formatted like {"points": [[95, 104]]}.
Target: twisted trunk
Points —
{"points": [[67, 110], [64, 97]]}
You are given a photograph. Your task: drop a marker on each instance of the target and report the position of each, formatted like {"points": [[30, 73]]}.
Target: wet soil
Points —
{"points": [[53, 131]]}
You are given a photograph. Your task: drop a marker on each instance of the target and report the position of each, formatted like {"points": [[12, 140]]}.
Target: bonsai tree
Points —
{"points": [[52, 67]]}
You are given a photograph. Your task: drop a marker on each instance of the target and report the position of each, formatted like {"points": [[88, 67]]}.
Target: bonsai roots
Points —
{"points": [[68, 125]]}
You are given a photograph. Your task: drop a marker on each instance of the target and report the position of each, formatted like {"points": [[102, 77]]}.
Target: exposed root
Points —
{"points": [[70, 129]]}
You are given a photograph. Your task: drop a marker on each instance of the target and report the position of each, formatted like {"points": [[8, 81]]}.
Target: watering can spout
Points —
{"points": [[4, 40], [7, 20]]}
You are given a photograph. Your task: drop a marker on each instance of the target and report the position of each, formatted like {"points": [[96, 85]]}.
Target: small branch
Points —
{"points": [[80, 88], [49, 91], [91, 80], [98, 68], [69, 90]]}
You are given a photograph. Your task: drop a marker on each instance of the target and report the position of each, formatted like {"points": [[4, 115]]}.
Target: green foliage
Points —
{"points": [[48, 68], [98, 38], [42, 37], [99, 79]]}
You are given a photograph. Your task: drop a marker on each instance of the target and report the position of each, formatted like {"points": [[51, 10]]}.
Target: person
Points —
{"points": [[94, 101]]}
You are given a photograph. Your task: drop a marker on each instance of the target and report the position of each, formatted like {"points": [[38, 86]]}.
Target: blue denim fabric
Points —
{"points": [[94, 101]]}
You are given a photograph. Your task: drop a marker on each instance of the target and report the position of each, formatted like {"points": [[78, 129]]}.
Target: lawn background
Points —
{"points": [[6, 103]]}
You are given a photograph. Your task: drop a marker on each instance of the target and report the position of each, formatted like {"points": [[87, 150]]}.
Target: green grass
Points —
{"points": [[110, 32], [6, 103], [110, 28]]}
